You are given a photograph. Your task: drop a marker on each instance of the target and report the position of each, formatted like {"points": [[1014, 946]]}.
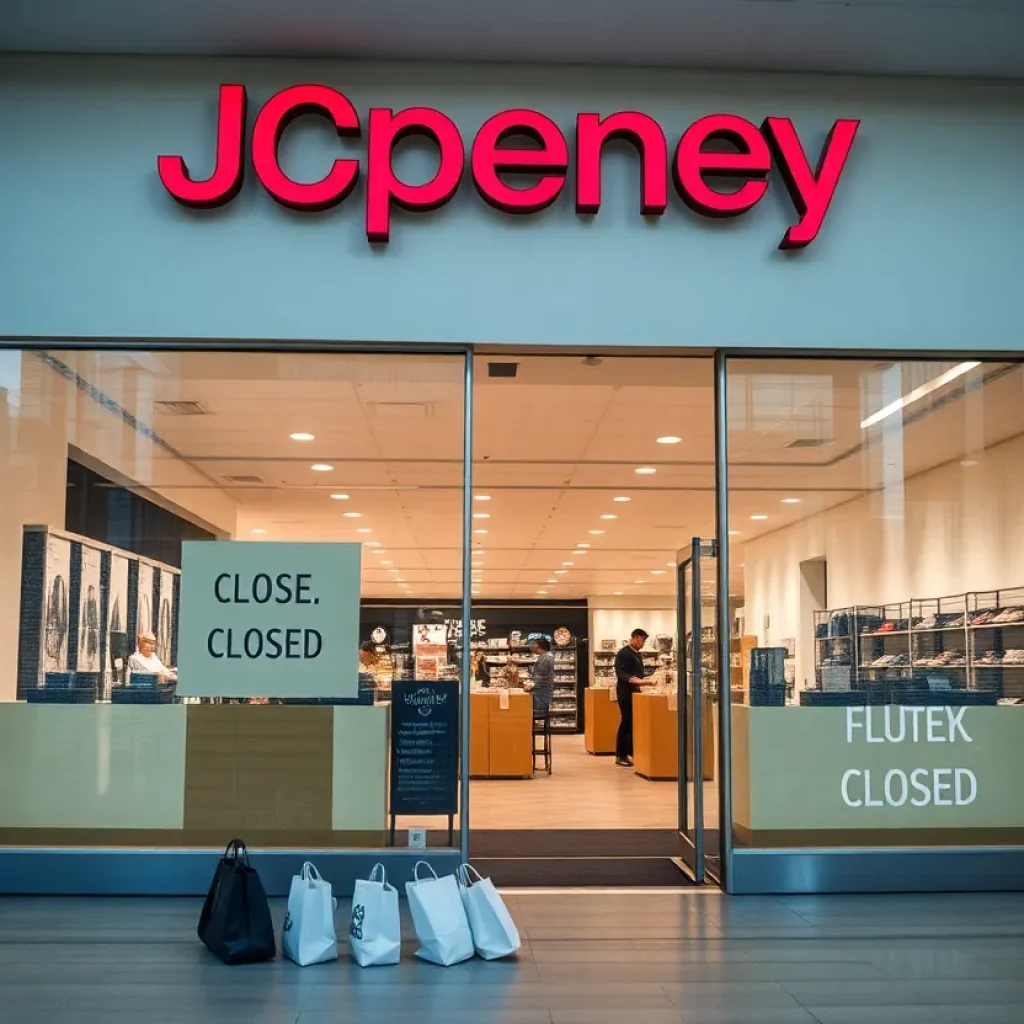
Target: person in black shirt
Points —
{"points": [[629, 674]]}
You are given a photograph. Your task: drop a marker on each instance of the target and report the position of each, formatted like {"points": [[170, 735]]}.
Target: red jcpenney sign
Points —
{"points": [[494, 162]]}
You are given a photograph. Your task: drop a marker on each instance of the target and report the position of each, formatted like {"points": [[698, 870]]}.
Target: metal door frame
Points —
{"points": [[696, 844]]}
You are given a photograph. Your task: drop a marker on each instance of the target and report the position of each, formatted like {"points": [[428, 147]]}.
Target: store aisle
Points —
{"points": [[688, 957], [583, 791]]}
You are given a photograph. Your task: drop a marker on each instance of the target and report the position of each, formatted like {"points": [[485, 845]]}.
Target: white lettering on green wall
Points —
{"points": [[918, 787]]}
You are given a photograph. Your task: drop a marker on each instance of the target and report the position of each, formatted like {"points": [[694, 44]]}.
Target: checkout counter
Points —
{"points": [[500, 734]]}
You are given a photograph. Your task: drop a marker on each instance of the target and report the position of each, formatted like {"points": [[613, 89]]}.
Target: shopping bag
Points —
{"points": [[375, 932], [235, 922], [439, 918], [309, 936], [494, 932]]}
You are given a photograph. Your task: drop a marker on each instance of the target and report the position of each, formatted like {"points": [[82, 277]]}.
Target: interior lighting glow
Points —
{"points": [[918, 393]]}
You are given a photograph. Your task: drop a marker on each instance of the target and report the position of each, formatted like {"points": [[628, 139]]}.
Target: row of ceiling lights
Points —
{"points": [[323, 467]]}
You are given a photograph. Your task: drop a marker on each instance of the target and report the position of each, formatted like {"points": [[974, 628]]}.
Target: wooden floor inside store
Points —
{"points": [[583, 792]]}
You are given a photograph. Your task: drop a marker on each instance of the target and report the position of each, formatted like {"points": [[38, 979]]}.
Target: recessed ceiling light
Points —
{"points": [[646, 471], [339, 497], [640, 581], [758, 517], [551, 581], [398, 579], [321, 467], [580, 552], [790, 501], [583, 545], [541, 591], [568, 563], [481, 515], [621, 497], [969, 462], [479, 531], [386, 562], [394, 570], [300, 436], [481, 497], [671, 565], [474, 591], [657, 572], [259, 531], [595, 533], [734, 533], [372, 544], [669, 439], [352, 515], [618, 593], [364, 529], [609, 515]]}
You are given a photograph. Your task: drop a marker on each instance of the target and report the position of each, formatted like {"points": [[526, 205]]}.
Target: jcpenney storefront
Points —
{"points": [[555, 352]]}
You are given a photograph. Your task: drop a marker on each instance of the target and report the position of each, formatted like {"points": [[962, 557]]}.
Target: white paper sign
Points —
{"points": [[269, 620]]}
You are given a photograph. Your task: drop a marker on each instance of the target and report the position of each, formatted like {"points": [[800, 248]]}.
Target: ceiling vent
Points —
{"points": [[809, 442], [182, 408], [502, 369], [243, 479], [401, 410]]}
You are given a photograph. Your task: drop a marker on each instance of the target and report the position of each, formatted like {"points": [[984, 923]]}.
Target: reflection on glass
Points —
{"points": [[876, 519]]}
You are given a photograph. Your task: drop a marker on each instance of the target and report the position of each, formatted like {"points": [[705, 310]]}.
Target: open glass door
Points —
{"points": [[698, 710]]}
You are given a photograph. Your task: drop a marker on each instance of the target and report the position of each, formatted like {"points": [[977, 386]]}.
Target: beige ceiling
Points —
{"points": [[552, 448]]}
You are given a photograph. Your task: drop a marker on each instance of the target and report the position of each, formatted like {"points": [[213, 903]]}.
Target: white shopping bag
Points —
{"points": [[494, 932], [375, 932], [439, 918], [309, 936]]}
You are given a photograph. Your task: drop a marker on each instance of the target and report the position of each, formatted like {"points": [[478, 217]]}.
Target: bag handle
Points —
{"points": [[309, 871], [236, 851], [416, 871], [465, 873], [379, 870]]}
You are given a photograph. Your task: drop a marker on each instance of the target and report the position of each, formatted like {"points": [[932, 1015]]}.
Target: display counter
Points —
{"points": [[656, 737], [602, 719], [501, 734], [193, 775]]}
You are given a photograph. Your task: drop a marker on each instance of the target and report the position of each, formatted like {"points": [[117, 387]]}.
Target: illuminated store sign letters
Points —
{"points": [[519, 179]]}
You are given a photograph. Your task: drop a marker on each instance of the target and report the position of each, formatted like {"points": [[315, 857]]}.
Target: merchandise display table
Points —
{"points": [[655, 737], [500, 738], [602, 720]]}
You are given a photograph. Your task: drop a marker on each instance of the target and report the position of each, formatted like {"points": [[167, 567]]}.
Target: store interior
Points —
{"points": [[852, 484]]}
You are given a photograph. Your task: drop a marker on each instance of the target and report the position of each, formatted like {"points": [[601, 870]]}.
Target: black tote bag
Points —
{"points": [[235, 923]]}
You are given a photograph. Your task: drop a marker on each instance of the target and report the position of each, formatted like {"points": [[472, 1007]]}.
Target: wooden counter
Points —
{"points": [[500, 739], [656, 738], [601, 716]]}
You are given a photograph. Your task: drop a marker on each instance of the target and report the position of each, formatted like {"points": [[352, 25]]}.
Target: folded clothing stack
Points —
{"points": [[943, 658]]}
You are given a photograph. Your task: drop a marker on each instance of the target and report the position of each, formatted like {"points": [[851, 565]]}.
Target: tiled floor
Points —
{"points": [[640, 958]]}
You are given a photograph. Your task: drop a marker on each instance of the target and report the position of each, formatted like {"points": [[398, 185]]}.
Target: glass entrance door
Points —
{"points": [[698, 710]]}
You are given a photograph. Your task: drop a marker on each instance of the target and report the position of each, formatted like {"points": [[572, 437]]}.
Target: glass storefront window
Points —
{"points": [[112, 462], [875, 517]]}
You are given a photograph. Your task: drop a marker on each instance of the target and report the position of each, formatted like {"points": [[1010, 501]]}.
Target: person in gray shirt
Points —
{"points": [[542, 676]]}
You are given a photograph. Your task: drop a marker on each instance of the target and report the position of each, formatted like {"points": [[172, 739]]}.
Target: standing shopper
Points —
{"points": [[629, 674], [542, 676]]}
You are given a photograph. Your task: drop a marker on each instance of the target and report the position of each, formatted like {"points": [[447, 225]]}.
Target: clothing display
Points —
{"points": [[976, 638]]}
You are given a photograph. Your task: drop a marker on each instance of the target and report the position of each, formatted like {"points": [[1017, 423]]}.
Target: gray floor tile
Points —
{"points": [[747, 1015], [880, 1015], [588, 958]]}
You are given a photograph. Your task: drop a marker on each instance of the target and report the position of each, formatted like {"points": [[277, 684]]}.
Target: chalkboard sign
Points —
{"points": [[424, 747]]}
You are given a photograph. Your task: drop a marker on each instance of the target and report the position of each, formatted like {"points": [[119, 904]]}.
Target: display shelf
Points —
{"points": [[972, 641]]}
